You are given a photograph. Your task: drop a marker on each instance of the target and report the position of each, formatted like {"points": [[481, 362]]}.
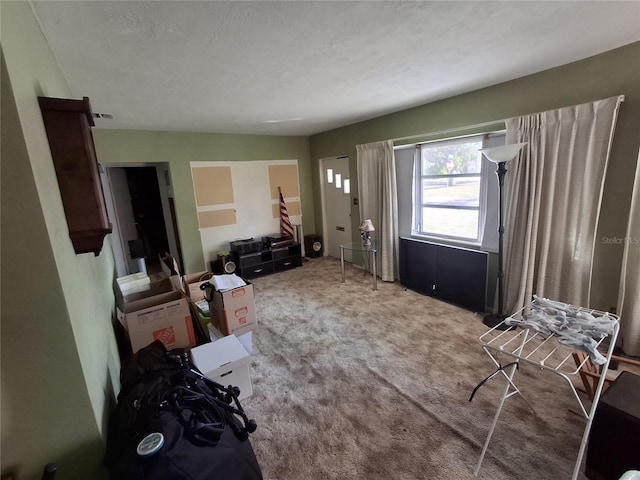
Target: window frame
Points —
{"points": [[418, 199]]}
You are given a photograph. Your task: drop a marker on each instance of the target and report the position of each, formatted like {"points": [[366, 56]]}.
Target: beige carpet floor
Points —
{"points": [[351, 383]]}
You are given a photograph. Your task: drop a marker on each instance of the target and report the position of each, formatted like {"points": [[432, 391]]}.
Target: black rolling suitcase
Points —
{"points": [[172, 423]]}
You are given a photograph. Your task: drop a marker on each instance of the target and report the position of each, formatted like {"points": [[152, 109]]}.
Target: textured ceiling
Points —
{"points": [[303, 67]]}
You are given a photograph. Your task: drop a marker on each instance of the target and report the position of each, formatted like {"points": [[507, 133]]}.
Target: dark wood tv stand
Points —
{"points": [[265, 262]]}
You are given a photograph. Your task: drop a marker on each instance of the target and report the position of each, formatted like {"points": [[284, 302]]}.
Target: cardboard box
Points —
{"points": [[200, 322], [169, 265], [136, 282], [155, 285], [233, 311], [165, 317], [190, 284], [155, 288], [225, 361], [202, 306], [246, 339], [128, 285]]}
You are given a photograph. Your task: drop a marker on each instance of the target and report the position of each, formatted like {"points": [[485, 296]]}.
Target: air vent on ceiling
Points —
{"points": [[103, 115]]}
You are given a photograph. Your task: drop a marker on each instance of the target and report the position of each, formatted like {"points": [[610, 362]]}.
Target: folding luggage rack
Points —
{"points": [[525, 346]]}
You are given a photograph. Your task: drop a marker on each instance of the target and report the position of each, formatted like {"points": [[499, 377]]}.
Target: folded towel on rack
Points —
{"points": [[573, 326], [584, 343]]}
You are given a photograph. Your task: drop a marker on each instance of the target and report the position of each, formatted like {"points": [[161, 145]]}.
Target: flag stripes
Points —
{"points": [[285, 224]]}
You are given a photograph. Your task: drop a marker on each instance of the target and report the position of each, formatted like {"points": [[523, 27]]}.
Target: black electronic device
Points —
{"points": [[249, 245], [272, 241], [312, 246], [215, 266]]}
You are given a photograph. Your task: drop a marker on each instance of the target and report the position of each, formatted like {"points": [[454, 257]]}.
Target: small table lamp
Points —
{"points": [[365, 232]]}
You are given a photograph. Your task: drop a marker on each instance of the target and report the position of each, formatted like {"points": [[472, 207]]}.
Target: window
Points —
{"points": [[448, 201]]}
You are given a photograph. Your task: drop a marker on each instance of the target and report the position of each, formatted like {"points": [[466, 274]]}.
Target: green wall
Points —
{"points": [[59, 359], [606, 75], [179, 149], [60, 362]]}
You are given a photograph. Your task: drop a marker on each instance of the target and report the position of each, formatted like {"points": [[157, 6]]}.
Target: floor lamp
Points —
{"points": [[500, 155]]}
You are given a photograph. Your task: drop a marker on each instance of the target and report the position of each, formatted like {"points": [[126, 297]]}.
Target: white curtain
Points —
{"points": [[553, 201], [378, 201], [629, 299]]}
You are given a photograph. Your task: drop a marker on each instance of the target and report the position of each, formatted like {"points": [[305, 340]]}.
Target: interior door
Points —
{"points": [[124, 218], [337, 205], [119, 253]]}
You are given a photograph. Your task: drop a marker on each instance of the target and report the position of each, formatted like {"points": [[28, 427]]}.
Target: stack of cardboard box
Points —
{"points": [[228, 311], [172, 308]]}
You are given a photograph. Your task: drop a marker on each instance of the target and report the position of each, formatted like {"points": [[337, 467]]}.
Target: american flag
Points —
{"points": [[285, 224]]}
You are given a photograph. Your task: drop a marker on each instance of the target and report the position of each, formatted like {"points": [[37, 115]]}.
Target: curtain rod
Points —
{"points": [[478, 125], [450, 130], [492, 134]]}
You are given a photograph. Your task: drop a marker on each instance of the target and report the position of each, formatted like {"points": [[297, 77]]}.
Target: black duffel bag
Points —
{"points": [[173, 423]]}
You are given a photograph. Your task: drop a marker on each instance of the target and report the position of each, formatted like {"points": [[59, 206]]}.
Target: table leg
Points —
{"points": [[375, 277], [342, 262]]}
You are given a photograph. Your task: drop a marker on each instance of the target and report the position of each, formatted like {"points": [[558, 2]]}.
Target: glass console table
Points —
{"points": [[367, 251]]}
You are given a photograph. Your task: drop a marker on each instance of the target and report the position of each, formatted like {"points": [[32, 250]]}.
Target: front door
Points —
{"points": [[337, 205]]}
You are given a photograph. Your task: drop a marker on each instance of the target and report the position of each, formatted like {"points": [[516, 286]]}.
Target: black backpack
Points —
{"points": [[171, 422]]}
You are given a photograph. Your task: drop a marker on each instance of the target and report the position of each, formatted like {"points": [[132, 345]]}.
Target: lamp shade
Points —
{"points": [[367, 226], [503, 153]]}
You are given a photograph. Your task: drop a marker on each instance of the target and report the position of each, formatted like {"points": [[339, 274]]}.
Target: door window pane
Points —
{"points": [[329, 175]]}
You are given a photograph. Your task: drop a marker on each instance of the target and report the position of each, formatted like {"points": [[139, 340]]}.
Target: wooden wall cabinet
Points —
{"points": [[68, 124]]}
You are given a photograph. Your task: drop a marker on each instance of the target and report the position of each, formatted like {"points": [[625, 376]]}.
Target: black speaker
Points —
{"points": [[215, 266], [227, 262], [313, 246]]}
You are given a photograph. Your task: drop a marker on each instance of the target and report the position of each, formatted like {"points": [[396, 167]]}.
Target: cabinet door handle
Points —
{"points": [[287, 263], [258, 270]]}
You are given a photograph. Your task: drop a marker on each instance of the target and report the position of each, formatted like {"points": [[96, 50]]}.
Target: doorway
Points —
{"points": [[336, 205], [151, 233], [140, 201]]}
